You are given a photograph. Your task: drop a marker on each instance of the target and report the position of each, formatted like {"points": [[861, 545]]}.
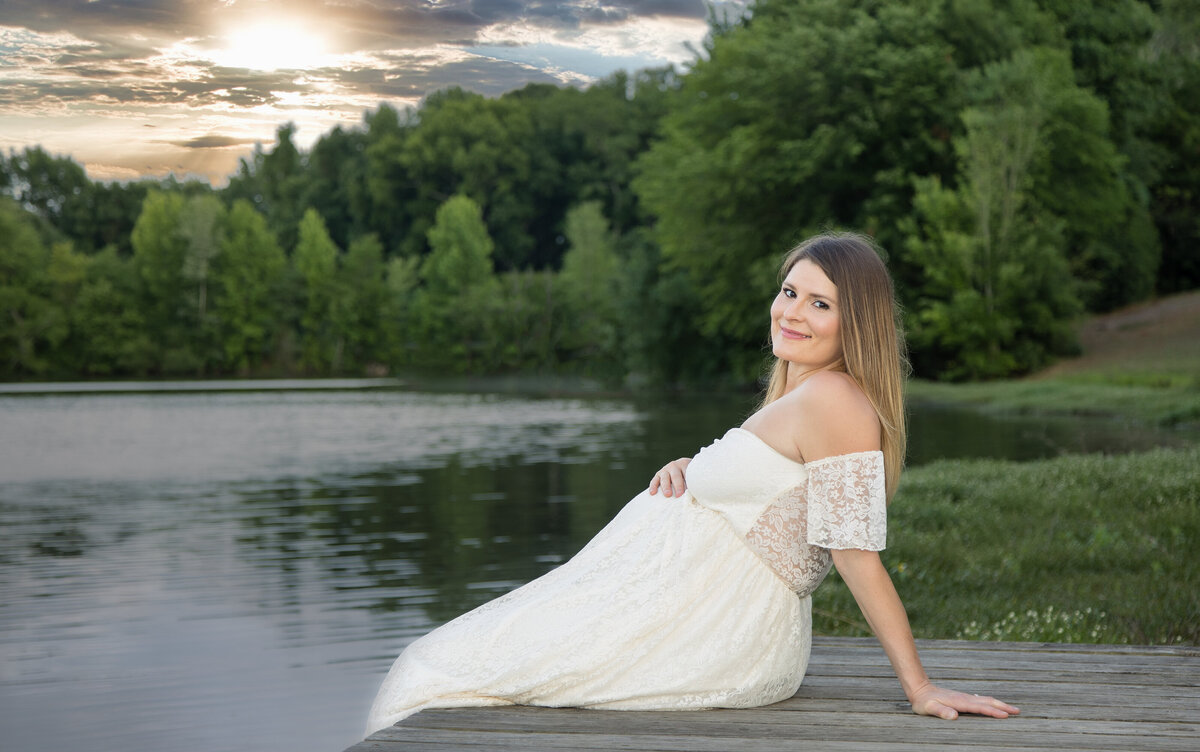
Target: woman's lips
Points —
{"points": [[790, 334]]}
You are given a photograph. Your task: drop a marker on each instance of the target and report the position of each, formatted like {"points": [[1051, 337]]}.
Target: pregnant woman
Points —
{"points": [[696, 595]]}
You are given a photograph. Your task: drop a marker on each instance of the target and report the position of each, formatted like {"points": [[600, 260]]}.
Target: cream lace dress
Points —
{"points": [[697, 601]]}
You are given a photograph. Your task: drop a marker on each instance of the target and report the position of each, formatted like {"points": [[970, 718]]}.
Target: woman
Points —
{"points": [[696, 595]]}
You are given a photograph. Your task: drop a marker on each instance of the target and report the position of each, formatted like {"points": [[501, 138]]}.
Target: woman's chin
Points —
{"points": [[783, 352]]}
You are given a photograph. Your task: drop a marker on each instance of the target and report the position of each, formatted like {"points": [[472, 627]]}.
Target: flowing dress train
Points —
{"points": [[696, 601]]}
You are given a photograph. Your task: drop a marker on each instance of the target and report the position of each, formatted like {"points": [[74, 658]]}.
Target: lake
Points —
{"points": [[189, 569]]}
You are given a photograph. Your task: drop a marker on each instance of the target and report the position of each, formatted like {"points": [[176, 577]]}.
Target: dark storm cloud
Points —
{"points": [[408, 78], [212, 142], [103, 19], [492, 11], [123, 86], [577, 15], [671, 8]]}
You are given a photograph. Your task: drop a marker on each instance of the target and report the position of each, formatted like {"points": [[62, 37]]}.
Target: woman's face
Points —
{"points": [[804, 318]]}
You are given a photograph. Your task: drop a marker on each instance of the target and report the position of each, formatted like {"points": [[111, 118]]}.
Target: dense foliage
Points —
{"points": [[1019, 162]]}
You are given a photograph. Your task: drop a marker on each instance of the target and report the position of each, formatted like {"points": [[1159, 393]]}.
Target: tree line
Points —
{"points": [[1020, 163]]}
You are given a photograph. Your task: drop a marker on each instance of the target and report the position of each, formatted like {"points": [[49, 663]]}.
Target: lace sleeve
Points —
{"points": [[847, 502]]}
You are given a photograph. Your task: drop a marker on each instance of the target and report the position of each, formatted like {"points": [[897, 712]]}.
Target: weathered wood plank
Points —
{"points": [[419, 739], [1132, 714], [736, 722], [841, 661], [1010, 691], [1074, 698], [583, 725]]}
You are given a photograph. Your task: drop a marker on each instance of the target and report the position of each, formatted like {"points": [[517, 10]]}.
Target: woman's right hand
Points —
{"points": [[671, 478]]}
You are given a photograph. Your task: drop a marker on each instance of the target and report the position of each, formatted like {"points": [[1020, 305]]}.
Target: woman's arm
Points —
{"points": [[868, 580]]}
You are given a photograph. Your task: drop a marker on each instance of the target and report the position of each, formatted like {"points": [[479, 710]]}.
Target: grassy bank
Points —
{"points": [[1086, 548], [1141, 363], [1173, 403]]}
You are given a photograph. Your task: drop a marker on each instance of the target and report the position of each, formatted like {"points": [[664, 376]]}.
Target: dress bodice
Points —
{"points": [[790, 513]]}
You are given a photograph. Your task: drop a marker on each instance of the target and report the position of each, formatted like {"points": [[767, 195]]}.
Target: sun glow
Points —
{"points": [[272, 46]]}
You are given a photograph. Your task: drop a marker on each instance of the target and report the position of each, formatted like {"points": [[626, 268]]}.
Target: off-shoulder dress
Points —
{"points": [[696, 601]]}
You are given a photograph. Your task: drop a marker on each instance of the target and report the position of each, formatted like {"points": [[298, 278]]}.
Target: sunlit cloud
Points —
{"points": [[268, 45], [161, 86]]}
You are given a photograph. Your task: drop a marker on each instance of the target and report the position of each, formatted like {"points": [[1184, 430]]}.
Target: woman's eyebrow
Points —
{"points": [[810, 294]]}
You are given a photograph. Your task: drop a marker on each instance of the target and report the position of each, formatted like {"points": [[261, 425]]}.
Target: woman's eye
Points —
{"points": [[821, 304], [788, 293]]}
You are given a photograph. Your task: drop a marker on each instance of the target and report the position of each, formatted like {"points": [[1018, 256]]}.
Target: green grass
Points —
{"points": [[1085, 548], [1140, 363], [1168, 399]]}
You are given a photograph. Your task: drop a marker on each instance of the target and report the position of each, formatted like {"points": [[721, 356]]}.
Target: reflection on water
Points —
{"points": [[235, 571], [949, 431]]}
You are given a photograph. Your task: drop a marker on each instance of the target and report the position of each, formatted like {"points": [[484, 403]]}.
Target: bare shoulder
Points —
{"points": [[838, 417], [827, 415]]}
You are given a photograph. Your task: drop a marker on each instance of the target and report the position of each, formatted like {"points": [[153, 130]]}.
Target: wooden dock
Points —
{"points": [[1072, 697]]}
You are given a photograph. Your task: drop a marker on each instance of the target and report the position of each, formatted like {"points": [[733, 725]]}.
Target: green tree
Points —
{"points": [[274, 183], [998, 296], [114, 211], [526, 323], [459, 288], [316, 259], [398, 320], [1082, 178], [662, 339], [91, 215], [335, 183], [1174, 52], [388, 205], [460, 255], [590, 289], [582, 146], [358, 313], [250, 272], [109, 333], [32, 324], [54, 188], [466, 144], [167, 298], [200, 225]]}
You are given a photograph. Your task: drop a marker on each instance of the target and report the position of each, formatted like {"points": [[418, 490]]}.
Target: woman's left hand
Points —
{"points": [[944, 703]]}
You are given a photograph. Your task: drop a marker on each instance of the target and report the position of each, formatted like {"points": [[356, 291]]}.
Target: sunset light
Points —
{"points": [[190, 88], [272, 46]]}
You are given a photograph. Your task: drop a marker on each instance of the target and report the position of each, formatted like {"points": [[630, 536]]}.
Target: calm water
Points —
{"points": [[236, 570]]}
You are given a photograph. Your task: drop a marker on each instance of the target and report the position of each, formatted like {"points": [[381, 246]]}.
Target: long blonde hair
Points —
{"points": [[873, 351]]}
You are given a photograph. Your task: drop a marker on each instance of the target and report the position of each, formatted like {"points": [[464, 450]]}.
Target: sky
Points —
{"points": [[143, 88]]}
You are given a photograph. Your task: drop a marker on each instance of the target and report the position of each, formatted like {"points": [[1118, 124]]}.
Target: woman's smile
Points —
{"points": [[789, 334]]}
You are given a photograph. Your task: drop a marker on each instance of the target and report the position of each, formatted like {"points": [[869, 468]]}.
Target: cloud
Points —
{"points": [[75, 70], [362, 24], [212, 142]]}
